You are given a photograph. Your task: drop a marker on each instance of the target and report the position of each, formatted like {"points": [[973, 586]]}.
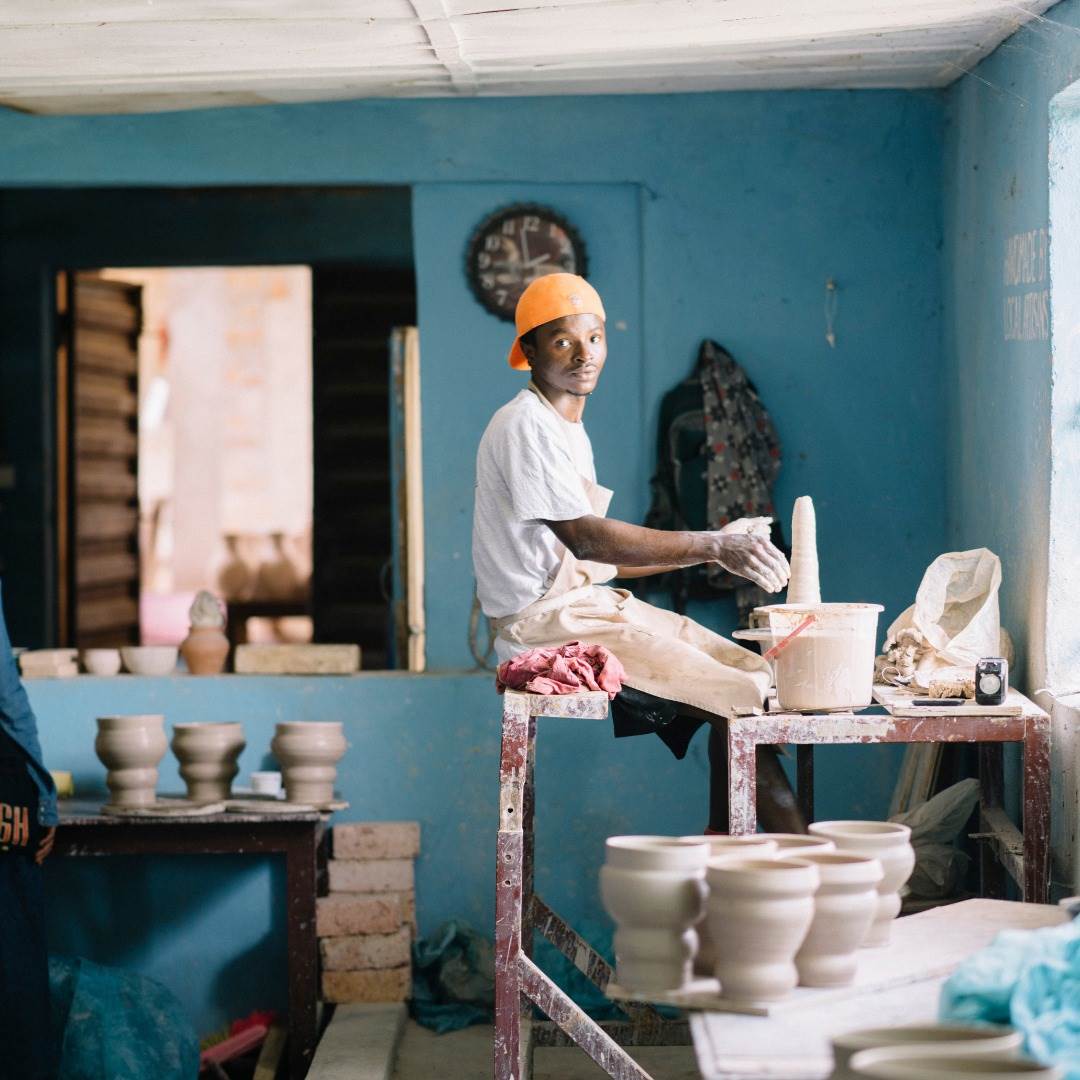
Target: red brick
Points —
{"points": [[390, 984], [371, 875], [377, 840], [360, 952], [359, 913]]}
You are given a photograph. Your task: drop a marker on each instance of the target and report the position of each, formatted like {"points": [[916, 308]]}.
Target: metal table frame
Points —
{"points": [[1026, 857], [84, 831], [519, 983]]}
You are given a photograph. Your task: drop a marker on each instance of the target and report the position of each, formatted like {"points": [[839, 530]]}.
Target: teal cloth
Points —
{"points": [[1031, 980], [118, 1025]]}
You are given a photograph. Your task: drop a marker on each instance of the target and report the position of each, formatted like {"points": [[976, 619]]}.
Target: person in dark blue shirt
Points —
{"points": [[27, 830]]}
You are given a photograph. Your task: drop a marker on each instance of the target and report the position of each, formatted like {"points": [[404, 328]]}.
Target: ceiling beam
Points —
{"points": [[439, 27]]}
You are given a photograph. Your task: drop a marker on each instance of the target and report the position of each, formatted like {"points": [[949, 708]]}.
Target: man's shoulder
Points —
{"points": [[521, 417]]}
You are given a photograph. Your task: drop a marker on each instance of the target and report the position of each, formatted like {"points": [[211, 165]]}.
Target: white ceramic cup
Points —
{"points": [[266, 783], [101, 661]]}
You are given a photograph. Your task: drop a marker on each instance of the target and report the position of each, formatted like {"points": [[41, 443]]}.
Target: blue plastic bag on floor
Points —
{"points": [[1031, 980], [117, 1025]]}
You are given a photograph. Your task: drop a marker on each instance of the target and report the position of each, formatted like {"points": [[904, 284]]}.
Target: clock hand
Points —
{"points": [[530, 263], [524, 247]]}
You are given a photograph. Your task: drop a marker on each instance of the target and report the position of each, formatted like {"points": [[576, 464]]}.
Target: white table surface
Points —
{"points": [[794, 1044]]}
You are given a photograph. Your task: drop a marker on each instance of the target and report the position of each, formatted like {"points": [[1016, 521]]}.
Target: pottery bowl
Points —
{"points": [[940, 1040], [792, 845], [916, 1063], [657, 852], [101, 661], [149, 659], [654, 881], [758, 847]]}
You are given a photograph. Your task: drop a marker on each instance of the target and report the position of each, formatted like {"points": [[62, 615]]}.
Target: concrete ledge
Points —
{"points": [[359, 1043]]}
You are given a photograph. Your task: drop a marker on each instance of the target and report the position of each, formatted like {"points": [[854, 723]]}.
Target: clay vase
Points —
{"points": [[804, 586], [207, 754], [938, 1040], [308, 752], [759, 913], [235, 579], [130, 747], [844, 907], [725, 847], [923, 1063], [205, 650], [278, 578], [795, 845], [653, 887], [890, 843]]}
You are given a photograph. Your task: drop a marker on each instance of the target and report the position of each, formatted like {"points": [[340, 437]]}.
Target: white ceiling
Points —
{"points": [[88, 56]]}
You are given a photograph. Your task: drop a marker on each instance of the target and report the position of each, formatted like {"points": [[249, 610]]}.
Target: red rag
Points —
{"points": [[563, 669]]}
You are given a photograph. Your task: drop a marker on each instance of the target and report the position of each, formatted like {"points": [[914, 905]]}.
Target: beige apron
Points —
{"points": [[664, 654]]}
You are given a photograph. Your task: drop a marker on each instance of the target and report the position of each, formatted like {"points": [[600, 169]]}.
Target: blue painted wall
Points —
{"points": [[997, 149], [709, 215]]}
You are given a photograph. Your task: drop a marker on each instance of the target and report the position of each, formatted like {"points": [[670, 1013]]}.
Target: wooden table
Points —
{"points": [[795, 1043], [1025, 857], [84, 830]]}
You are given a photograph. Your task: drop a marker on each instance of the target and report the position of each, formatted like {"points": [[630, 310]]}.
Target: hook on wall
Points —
{"points": [[830, 311]]}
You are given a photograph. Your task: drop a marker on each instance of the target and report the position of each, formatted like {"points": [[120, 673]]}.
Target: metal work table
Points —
{"points": [[85, 831], [1026, 857], [795, 1044]]}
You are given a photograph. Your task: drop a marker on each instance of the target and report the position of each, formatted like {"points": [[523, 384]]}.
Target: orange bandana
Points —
{"points": [[551, 297]]}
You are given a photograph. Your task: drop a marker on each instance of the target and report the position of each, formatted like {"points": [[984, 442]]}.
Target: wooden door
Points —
{"points": [[98, 503], [407, 475], [355, 308]]}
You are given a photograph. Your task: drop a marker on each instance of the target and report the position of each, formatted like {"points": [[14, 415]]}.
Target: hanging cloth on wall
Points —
{"points": [[718, 456]]}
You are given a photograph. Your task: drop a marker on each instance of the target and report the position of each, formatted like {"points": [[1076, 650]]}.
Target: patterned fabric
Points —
{"points": [[718, 456], [742, 448]]}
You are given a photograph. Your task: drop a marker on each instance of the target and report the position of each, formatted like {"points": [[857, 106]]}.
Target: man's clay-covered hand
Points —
{"points": [[752, 556]]}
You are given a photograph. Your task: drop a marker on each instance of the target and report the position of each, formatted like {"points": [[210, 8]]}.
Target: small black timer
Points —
{"points": [[991, 681]]}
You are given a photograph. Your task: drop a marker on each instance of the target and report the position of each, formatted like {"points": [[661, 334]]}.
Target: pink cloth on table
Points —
{"points": [[566, 669]]}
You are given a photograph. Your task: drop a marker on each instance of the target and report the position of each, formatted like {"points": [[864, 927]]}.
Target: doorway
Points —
{"points": [[228, 428]]}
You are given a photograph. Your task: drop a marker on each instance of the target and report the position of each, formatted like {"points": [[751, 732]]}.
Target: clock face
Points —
{"points": [[513, 247]]}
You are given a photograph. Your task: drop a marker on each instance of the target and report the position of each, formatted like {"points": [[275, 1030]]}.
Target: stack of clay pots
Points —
{"points": [[781, 910], [935, 1052]]}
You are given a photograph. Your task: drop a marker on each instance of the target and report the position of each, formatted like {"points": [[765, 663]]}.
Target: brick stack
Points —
{"points": [[366, 924]]}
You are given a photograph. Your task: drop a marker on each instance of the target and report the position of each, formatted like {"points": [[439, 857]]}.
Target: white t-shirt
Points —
{"points": [[528, 470]]}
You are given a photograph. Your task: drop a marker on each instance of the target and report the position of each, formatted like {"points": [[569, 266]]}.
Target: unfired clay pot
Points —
{"points": [[308, 752], [890, 843], [759, 913], [725, 847], [795, 845], [130, 747], [844, 907], [654, 889], [207, 754], [916, 1063], [205, 650], [939, 1040]]}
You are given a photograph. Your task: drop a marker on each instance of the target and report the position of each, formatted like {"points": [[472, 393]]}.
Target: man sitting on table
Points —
{"points": [[543, 547]]}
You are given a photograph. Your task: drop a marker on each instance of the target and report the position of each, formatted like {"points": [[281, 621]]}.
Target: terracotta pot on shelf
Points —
{"points": [[308, 752], [206, 648], [844, 907], [653, 888], [890, 843], [759, 913], [208, 753], [130, 748], [725, 847]]}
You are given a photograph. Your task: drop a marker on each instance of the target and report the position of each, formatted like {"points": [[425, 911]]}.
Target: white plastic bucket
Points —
{"points": [[829, 665]]}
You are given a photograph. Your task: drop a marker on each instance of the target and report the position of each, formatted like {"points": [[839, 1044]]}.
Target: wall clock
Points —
{"points": [[515, 245]]}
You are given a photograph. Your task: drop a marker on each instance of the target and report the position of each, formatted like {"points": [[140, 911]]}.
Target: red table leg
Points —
{"points": [[742, 781], [1037, 810]]}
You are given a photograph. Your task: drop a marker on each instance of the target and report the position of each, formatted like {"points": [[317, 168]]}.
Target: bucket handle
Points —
{"points": [[781, 645]]}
